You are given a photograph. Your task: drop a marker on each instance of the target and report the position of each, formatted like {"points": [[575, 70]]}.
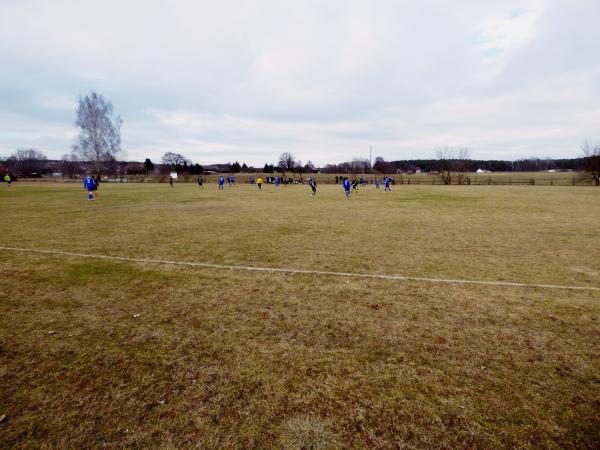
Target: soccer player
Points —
{"points": [[221, 183], [377, 183], [346, 184], [259, 182], [8, 179], [171, 181], [89, 184], [313, 185], [387, 185], [231, 181], [200, 182]]}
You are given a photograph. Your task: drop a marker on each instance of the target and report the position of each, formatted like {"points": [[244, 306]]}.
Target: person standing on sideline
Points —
{"points": [[8, 179], [346, 184], [221, 183], [89, 185], [259, 182], [387, 185], [200, 182]]}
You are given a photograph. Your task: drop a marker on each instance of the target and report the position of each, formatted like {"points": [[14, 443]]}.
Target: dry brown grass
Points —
{"points": [[223, 359]]}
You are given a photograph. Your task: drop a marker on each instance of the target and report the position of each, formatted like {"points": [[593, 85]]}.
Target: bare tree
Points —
{"points": [[360, 165], [27, 161], [444, 163], [174, 161], [99, 140], [453, 162], [287, 161], [591, 162], [462, 164]]}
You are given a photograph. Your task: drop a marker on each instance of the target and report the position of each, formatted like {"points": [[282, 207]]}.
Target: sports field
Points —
{"points": [[143, 352]]}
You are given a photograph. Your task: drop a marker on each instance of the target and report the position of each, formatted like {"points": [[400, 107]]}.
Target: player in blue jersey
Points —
{"points": [[231, 181], [89, 184], [387, 185], [221, 183], [313, 186], [377, 183], [346, 184]]}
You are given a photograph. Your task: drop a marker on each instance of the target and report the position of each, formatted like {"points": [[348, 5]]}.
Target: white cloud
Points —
{"points": [[500, 34]]}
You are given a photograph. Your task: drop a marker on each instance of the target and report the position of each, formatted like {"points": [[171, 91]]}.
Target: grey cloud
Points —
{"points": [[325, 80]]}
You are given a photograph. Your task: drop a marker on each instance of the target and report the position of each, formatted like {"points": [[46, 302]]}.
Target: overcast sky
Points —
{"points": [[228, 80]]}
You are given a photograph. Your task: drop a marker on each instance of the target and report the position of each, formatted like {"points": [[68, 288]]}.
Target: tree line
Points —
{"points": [[98, 146], [29, 162]]}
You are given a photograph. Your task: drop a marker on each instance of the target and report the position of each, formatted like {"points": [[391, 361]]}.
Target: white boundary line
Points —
{"points": [[304, 271]]}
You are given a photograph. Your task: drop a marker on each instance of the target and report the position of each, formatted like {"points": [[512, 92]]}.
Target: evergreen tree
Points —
{"points": [[148, 166]]}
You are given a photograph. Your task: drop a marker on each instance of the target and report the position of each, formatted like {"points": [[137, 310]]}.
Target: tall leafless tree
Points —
{"points": [[591, 162], [99, 140], [287, 162]]}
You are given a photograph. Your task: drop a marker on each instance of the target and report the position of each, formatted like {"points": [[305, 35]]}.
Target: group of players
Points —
{"points": [[90, 184], [312, 183]]}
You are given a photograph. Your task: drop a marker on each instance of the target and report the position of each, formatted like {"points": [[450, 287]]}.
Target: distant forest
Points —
{"points": [[30, 162], [521, 165]]}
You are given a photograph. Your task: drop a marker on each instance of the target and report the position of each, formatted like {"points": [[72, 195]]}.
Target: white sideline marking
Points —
{"points": [[305, 271]]}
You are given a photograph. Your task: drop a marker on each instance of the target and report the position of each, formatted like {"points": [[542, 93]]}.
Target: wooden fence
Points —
{"points": [[492, 179]]}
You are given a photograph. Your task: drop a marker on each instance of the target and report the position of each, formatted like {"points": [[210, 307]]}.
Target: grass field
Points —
{"points": [[108, 353]]}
